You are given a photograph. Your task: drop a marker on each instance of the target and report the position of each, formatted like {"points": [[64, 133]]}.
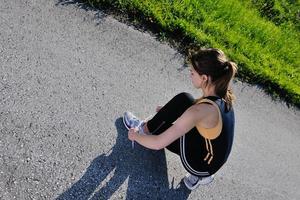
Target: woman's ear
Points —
{"points": [[205, 78]]}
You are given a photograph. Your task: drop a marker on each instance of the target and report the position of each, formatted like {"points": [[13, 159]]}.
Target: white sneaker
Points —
{"points": [[192, 182], [131, 121]]}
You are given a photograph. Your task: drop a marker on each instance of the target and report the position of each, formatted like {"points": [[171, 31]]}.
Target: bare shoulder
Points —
{"points": [[204, 109], [205, 114]]}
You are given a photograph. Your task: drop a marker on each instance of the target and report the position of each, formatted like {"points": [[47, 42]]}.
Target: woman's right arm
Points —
{"points": [[182, 125]]}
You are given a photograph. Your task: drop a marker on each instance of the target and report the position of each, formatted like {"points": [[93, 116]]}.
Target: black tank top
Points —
{"points": [[208, 155]]}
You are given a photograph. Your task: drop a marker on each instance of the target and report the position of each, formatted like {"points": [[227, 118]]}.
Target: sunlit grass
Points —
{"points": [[266, 51]]}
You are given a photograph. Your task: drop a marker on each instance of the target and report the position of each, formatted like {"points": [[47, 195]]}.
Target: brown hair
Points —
{"points": [[214, 63]]}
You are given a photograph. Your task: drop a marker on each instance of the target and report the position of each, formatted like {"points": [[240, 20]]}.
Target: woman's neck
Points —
{"points": [[209, 91]]}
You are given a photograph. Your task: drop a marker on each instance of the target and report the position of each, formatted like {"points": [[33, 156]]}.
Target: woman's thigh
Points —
{"points": [[170, 112]]}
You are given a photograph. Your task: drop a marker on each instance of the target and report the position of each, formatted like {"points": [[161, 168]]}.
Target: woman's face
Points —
{"points": [[197, 79]]}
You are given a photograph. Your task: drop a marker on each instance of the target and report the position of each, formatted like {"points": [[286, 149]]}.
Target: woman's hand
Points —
{"points": [[158, 108], [132, 134]]}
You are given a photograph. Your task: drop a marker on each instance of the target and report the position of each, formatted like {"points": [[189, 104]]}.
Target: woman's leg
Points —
{"points": [[170, 112]]}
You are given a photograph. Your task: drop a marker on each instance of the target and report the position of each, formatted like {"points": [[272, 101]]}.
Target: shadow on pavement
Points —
{"points": [[99, 14], [144, 170], [79, 3]]}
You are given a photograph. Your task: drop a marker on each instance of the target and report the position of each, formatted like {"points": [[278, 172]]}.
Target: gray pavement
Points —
{"points": [[67, 75]]}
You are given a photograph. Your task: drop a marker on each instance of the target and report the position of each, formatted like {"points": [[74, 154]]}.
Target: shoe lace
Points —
{"points": [[135, 122]]}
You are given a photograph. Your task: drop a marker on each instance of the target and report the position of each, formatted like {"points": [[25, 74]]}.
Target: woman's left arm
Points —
{"points": [[182, 125]]}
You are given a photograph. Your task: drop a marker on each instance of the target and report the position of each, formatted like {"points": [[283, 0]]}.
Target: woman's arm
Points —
{"points": [[182, 125], [149, 141]]}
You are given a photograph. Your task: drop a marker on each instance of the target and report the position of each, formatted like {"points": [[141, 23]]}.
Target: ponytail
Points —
{"points": [[229, 96]]}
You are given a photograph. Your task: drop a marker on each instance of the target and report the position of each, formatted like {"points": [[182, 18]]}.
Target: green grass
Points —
{"points": [[280, 12], [261, 36]]}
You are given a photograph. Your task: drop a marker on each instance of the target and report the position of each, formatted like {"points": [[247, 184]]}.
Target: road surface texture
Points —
{"points": [[67, 75]]}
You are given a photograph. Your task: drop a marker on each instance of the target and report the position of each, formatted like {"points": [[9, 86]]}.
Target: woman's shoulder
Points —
{"points": [[204, 109], [206, 113]]}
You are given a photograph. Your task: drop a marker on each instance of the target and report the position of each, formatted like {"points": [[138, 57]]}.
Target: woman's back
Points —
{"points": [[211, 145]]}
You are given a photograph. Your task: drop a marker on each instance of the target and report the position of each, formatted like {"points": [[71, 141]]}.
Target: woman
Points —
{"points": [[200, 131]]}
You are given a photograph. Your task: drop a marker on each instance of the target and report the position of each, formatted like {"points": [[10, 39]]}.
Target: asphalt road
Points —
{"points": [[67, 75]]}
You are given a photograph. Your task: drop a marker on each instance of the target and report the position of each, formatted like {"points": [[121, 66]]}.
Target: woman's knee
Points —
{"points": [[185, 97]]}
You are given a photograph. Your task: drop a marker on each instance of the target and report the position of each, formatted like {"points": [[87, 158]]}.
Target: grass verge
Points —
{"points": [[266, 52]]}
